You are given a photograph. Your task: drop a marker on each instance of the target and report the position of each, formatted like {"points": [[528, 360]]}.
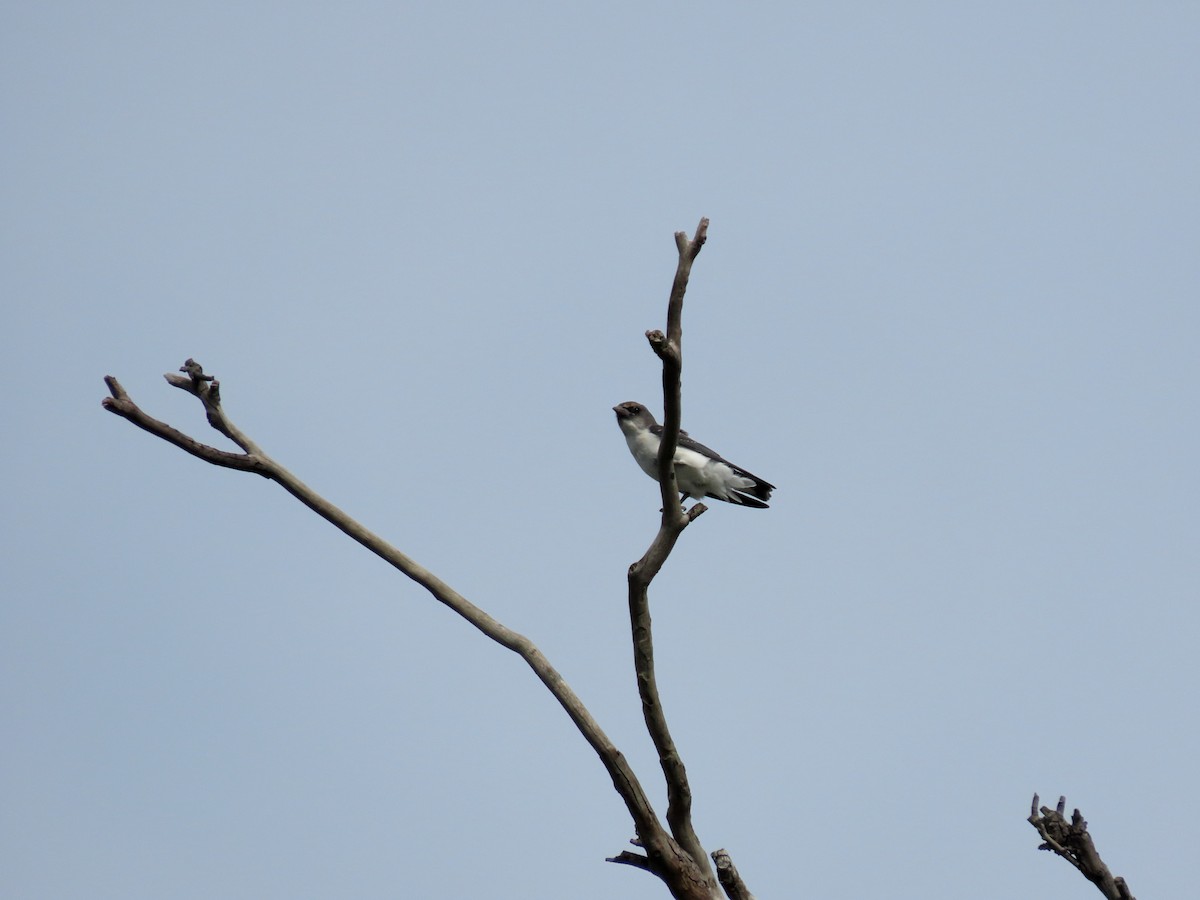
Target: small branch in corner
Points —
{"points": [[1072, 842]]}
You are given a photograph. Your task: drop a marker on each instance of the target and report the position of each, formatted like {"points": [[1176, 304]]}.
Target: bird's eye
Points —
{"points": [[635, 409]]}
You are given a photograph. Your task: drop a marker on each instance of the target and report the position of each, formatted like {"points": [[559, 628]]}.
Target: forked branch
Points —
{"points": [[676, 856], [669, 348], [255, 460]]}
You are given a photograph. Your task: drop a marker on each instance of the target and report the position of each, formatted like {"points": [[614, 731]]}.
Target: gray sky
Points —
{"points": [[948, 305]]}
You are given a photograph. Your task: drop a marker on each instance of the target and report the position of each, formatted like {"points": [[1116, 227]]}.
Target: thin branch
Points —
{"points": [[208, 390], [659, 845], [1071, 841], [669, 349]]}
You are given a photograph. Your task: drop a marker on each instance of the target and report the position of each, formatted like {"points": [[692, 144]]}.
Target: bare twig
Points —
{"points": [[1071, 841], [121, 404], [669, 348], [207, 389]]}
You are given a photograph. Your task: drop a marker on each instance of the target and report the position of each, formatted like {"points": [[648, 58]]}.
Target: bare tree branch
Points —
{"points": [[677, 856], [123, 406], [668, 347], [1071, 841], [661, 849]]}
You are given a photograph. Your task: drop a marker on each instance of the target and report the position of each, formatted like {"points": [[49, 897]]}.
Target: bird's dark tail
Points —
{"points": [[757, 494], [754, 496], [745, 499]]}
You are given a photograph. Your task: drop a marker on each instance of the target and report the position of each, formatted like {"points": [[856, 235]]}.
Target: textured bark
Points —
{"points": [[727, 874]]}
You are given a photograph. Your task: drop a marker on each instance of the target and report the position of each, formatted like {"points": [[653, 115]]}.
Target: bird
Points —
{"points": [[699, 471]]}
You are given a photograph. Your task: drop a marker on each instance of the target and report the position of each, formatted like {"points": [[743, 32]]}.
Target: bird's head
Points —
{"points": [[631, 415]]}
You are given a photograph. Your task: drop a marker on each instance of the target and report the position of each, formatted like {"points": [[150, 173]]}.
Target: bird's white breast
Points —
{"points": [[695, 473], [644, 447]]}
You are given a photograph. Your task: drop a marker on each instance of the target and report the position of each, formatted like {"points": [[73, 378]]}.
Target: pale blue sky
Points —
{"points": [[948, 306]]}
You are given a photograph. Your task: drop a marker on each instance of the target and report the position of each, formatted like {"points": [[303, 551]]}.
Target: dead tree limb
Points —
{"points": [[1071, 841], [255, 460], [675, 856], [669, 348]]}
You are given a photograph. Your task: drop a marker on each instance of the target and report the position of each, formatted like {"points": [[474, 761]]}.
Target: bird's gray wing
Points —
{"points": [[689, 444], [753, 496]]}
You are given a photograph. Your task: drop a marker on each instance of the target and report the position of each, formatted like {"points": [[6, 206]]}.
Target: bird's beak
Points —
{"points": [[621, 413]]}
